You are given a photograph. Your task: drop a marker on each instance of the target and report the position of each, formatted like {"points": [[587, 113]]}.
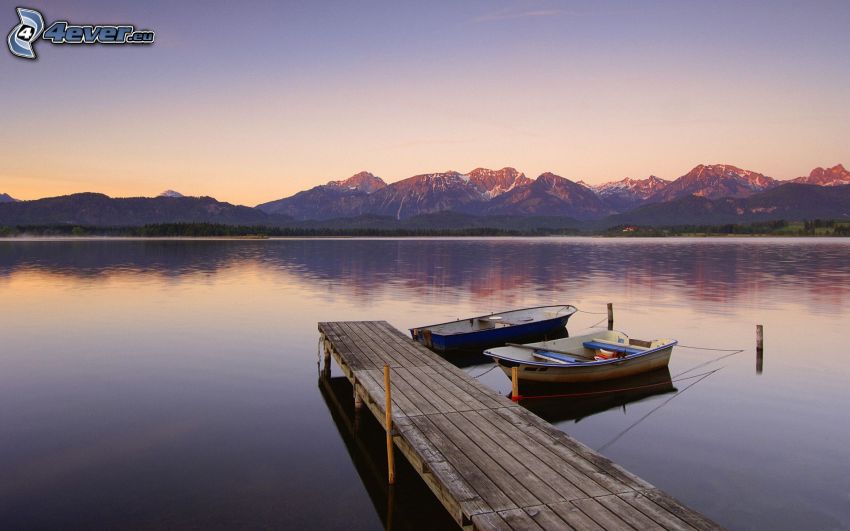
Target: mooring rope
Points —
{"points": [[485, 372], [594, 325], [715, 349], [653, 410], [731, 352], [591, 313], [599, 322]]}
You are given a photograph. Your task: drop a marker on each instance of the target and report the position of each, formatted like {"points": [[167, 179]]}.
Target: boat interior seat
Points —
{"points": [[634, 343], [615, 347], [555, 356], [640, 343]]}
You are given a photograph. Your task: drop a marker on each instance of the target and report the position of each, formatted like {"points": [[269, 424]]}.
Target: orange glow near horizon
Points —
{"points": [[241, 190], [594, 93]]}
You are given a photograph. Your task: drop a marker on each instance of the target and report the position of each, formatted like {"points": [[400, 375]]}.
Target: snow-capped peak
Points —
{"points": [[171, 193], [493, 183], [726, 172], [640, 188], [363, 181]]}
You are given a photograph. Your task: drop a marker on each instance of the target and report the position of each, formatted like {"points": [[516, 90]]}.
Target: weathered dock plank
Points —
{"points": [[493, 464]]}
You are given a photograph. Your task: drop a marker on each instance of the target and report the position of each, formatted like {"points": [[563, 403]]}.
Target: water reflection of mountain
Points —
{"points": [[91, 258], [578, 401], [406, 505], [707, 270]]}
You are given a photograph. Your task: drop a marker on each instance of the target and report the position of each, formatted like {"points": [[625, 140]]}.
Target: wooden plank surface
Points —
{"points": [[628, 513], [547, 518], [492, 463]]}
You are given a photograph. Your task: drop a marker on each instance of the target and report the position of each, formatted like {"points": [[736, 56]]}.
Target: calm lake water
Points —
{"points": [[171, 384]]}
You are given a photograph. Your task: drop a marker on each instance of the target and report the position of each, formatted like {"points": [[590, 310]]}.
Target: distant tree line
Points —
{"points": [[780, 227], [815, 227], [837, 228], [202, 230], [212, 230]]}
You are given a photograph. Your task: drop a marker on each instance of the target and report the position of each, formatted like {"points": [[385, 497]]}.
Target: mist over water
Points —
{"points": [[151, 383]]}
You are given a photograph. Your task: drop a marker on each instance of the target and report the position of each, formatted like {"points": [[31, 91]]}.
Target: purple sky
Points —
{"points": [[251, 101]]}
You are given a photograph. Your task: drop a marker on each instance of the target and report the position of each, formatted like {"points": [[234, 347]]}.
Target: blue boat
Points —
{"points": [[478, 333]]}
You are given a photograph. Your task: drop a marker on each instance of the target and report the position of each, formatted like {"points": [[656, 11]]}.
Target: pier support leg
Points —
{"points": [[388, 421], [515, 384], [610, 316], [358, 407], [326, 359], [759, 349]]}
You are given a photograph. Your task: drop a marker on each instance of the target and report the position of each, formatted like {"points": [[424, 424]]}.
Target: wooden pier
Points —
{"points": [[490, 462]]}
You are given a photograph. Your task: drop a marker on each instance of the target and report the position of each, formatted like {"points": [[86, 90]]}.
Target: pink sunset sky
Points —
{"points": [[250, 102]]}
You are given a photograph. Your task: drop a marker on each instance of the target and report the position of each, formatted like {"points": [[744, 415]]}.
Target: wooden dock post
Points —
{"points": [[610, 316], [515, 384], [388, 421], [759, 349], [388, 525]]}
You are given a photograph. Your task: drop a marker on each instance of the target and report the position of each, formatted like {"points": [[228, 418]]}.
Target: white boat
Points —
{"points": [[603, 355]]}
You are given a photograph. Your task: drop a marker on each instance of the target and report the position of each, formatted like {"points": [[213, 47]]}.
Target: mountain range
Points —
{"points": [[363, 193], [99, 210], [791, 201], [509, 192], [707, 194]]}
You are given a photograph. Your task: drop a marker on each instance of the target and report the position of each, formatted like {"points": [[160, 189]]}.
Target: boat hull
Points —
{"points": [[535, 372], [575, 401], [480, 340]]}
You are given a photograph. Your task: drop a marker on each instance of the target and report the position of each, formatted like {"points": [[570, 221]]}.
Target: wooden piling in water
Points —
{"points": [[358, 407], [388, 421], [515, 384], [759, 349], [326, 360], [610, 316]]}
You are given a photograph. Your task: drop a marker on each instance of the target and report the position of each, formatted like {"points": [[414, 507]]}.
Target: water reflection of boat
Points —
{"points": [[406, 505], [527, 324], [560, 402], [602, 355]]}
